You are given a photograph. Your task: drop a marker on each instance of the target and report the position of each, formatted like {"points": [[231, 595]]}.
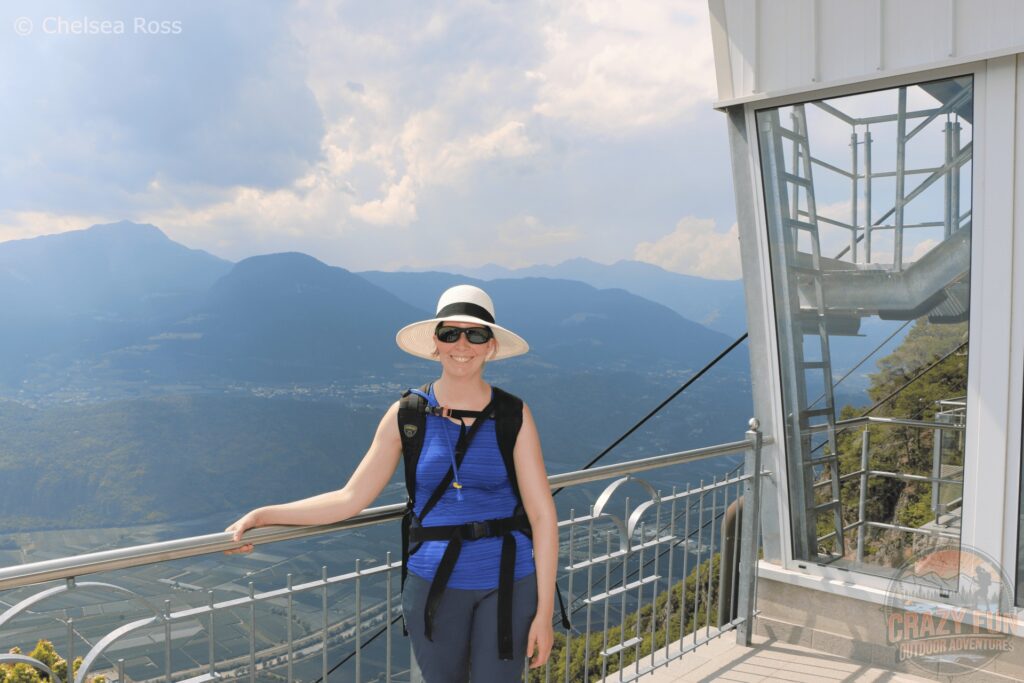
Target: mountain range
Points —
{"points": [[716, 304], [145, 376]]}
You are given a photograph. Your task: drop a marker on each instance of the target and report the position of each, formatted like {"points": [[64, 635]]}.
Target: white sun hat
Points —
{"points": [[466, 304]]}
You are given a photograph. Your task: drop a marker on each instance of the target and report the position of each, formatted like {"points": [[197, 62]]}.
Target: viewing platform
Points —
{"points": [[770, 660]]}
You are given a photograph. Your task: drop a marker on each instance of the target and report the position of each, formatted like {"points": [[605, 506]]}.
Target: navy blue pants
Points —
{"points": [[465, 631]]}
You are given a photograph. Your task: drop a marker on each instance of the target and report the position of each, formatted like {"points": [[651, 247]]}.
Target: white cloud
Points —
{"points": [[529, 233], [398, 207], [614, 66], [695, 248], [440, 120], [520, 241]]}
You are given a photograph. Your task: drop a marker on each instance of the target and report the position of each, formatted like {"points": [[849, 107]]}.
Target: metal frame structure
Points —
{"points": [[614, 571], [820, 295]]}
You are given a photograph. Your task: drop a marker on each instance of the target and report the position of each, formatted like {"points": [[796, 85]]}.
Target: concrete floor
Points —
{"points": [[723, 660]]}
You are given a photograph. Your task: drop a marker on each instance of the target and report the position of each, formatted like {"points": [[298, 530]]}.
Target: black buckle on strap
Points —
{"points": [[473, 531]]}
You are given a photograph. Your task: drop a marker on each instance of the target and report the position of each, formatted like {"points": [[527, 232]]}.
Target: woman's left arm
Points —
{"points": [[540, 508]]}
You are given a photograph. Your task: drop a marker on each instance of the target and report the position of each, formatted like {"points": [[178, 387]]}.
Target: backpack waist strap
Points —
{"points": [[455, 534], [471, 531]]}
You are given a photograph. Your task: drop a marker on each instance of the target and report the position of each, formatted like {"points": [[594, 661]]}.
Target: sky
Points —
{"points": [[373, 135]]}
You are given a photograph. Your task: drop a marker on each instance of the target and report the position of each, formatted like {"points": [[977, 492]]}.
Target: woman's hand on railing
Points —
{"points": [[247, 521]]}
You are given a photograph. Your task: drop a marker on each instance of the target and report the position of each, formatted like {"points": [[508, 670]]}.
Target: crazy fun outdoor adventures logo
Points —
{"points": [[948, 611]]}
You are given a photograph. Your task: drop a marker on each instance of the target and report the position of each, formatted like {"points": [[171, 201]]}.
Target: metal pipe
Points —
{"points": [[696, 567], [654, 592], [727, 564], [901, 162], [734, 566], [936, 467], [892, 421], [863, 502], [914, 477], [607, 603], [211, 640], [711, 555], [625, 589], [568, 589], [853, 196], [359, 624], [686, 561], [962, 157], [387, 622], [252, 636], [955, 189], [639, 596], [867, 196], [947, 186], [668, 581], [834, 169], [794, 196], [914, 530], [589, 602], [70, 675], [750, 530], [291, 638], [323, 606]]}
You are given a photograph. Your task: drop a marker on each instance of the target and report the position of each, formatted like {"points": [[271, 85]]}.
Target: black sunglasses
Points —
{"points": [[474, 335]]}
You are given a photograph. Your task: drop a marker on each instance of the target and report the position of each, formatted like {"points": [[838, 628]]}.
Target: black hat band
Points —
{"points": [[465, 308]]}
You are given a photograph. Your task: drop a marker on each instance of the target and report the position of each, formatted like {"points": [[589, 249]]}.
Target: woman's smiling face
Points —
{"points": [[461, 358]]}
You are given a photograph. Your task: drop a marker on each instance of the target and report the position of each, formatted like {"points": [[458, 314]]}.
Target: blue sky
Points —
{"points": [[373, 135]]}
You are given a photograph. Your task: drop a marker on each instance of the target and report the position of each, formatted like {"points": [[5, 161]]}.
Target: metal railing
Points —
{"points": [[641, 586], [948, 421]]}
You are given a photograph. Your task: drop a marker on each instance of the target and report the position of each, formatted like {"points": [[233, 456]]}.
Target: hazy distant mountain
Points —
{"points": [[82, 293], [717, 304], [287, 317], [573, 324], [115, 270]]}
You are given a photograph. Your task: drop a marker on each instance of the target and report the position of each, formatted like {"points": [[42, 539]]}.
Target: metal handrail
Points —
{"points": [[122, 558], [897, 421]]}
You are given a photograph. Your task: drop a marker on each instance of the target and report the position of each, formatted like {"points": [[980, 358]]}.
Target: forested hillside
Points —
{"points": [[929, 366]]}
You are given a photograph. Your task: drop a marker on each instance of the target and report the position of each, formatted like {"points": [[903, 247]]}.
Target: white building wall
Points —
{"points": [[916, 36], [765, 48]]}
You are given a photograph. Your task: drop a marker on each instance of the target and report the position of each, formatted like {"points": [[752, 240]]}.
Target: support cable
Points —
{"points": [[700, 373]]}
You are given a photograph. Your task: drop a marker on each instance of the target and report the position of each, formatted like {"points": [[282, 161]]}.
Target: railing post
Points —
{"points": [[862, 504], [749, 534]]}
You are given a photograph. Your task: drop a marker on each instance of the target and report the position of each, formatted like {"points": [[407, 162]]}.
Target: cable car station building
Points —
{"points": [[878, 164]]}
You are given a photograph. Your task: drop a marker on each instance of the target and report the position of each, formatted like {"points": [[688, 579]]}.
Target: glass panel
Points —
{"points": [[869, 218]]}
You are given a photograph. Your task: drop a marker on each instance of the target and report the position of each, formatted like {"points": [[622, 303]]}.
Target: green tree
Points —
{"points": [[902, 448], [46, 653]]}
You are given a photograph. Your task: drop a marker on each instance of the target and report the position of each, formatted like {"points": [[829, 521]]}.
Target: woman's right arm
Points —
{"points": [[371, 476]]}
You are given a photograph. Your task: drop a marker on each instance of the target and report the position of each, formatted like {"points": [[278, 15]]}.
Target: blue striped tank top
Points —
{"points": [[486, 494]]}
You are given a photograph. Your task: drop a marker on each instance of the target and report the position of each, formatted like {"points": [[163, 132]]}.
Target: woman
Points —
{"points": [[465, 611]]}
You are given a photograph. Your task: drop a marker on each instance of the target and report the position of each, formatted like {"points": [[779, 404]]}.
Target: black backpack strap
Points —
{"points": [[412, 426], [508, 421]]}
